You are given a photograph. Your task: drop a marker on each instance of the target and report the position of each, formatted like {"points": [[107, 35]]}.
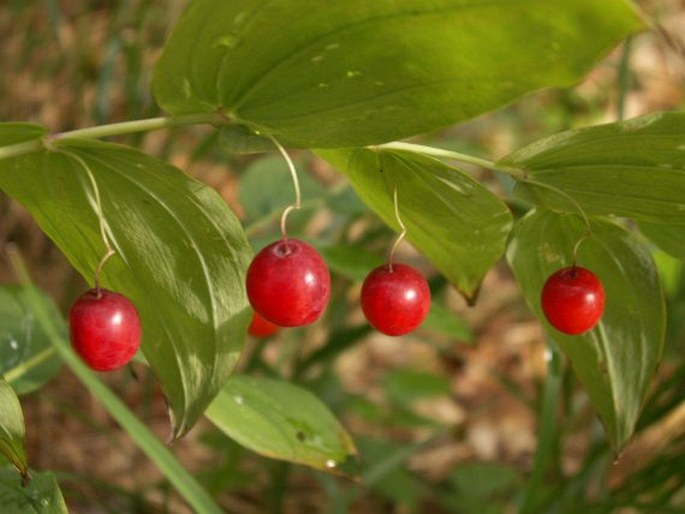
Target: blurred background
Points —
{"points": [[446, 419]]}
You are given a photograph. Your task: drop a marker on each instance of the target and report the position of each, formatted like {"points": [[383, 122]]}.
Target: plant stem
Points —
{"points": [[113, 129], [182, 480], [21, 148], [129, 127], [546, 463], [516, 173], [26, 366]]}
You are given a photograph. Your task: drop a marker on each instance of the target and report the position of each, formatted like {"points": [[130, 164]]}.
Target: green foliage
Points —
{"points": [[316, 74], [617, 360], [12, 432], [334, 78], [180, 256], [28, 360], [450, 218], [41, 496], [633, 169], [282, 421]]}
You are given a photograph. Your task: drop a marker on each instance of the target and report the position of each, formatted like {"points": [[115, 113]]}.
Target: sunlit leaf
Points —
{"points": [[458, 224], [617, 359], [353, 72], [181, 255], [27, 359], [634, 168], [282, 421]]}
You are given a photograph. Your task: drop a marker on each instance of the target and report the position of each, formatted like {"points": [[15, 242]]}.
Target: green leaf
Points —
{"points": [[181, 256], [40, 496], [616, 360], [453, 220], [281, 421], [350, 73], [183, 482], [27, 359], [14, 133], [634, 168], [670, 238], [12, 431]]}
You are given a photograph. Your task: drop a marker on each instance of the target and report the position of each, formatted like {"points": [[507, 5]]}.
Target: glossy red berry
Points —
{"points": [[288, 283], [395, 300], [261, 327], [104, 329], [573, 300]]}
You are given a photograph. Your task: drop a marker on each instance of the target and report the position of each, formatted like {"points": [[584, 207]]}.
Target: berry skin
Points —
{"points": [[261, 327], [573, 300], [288, 283], [395, 300], [104, 329]]}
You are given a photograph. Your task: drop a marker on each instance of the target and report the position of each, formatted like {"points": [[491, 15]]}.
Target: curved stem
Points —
{"points": [[403, 233], [588, 227], [129, 127], [21, 148], [296, 185], [441, 153], [109, 251]]}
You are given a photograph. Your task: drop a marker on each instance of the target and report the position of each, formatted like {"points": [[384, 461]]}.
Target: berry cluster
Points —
{"points": [[288, 285]]}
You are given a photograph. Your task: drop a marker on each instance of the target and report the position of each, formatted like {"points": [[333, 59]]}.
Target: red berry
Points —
{"points": [[395, 300], [573, 300], [288, 283], [261, 327], [104, 329]]}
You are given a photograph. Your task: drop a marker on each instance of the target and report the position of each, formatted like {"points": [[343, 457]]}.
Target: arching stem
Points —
{"points": [[403, 233], [296, 185], [109, 251], [588, 227]]}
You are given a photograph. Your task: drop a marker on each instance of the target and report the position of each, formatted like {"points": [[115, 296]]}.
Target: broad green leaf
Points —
{"points": [[181, 256], [27, 359], [182, 481], [634, 168], [14, 133], [453, 220], [40, 496], [12, 431], [324, 74], [281, 421], [670, 238], [617, 359]]}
